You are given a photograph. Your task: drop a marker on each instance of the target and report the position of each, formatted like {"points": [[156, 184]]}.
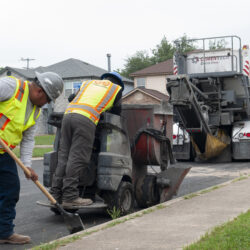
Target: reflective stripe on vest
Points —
{"points": [[94, 112], [105, 100], [94, 115], [3, 121], [6, 143], [20, 92]]}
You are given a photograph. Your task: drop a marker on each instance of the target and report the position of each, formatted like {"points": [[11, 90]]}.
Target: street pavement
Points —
{"points": [[43, 226]]}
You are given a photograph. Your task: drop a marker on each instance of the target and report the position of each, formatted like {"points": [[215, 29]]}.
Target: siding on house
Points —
{"points": [[154, 77], [154, 82]]}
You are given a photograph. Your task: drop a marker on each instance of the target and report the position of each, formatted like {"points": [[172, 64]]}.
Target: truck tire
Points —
{"points": [[146, 191], [122, 199]]}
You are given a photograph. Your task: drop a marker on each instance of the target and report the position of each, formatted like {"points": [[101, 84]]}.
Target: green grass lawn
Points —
{"points": [[37, 152], [232, 235], [44, 139], [40, 140]]}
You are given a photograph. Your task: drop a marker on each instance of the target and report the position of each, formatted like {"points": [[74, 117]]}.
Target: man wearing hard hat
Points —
{"points": [[78, 134], [20, 103]]}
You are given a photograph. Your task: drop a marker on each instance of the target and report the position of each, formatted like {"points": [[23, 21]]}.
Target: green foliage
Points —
{"points": [[221, 44], [183, 44], [163, 51], [114, 213], [232, 235], [139, 60]]}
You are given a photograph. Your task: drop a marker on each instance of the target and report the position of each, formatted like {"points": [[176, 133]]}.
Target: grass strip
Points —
{"points": [[207, 190], [54, 245], [231, 235]]}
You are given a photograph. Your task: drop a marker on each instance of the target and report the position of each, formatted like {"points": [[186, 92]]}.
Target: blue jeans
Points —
{"points": [[9, 194]]}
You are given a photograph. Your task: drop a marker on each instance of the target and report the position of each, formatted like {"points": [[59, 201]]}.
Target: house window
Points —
{"points": [[71, 87], [141, 82]]}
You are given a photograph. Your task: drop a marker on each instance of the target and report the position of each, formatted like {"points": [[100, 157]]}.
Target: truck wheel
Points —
{"points": [[146, 191], [122, 199]]}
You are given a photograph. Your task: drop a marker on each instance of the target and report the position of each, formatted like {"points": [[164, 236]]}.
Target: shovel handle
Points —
{"points": [[27, 172]]}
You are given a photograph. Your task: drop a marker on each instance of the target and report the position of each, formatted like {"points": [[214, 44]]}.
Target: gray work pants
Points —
{"points": [[75, 148]]}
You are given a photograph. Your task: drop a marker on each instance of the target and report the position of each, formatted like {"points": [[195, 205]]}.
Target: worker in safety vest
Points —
{"points": [[78, 133], [20, 103]]}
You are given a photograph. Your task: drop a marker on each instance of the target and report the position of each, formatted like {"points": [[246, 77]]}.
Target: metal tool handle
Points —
{"points": [[26, 171]]}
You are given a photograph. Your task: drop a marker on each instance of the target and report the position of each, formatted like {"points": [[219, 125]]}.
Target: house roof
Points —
{"points": [[67, 69], [162, 68], [151, 92], [74, 68]]}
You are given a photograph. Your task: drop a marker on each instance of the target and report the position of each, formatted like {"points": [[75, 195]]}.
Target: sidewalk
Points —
{"points": [[171, 225]]}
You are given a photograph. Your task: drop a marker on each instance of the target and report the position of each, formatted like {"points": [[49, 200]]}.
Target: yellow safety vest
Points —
{"points": [[94, 98], [12, 115]]}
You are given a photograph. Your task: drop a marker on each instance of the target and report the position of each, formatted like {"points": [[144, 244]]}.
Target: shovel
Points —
{"points": [[73, 221]]}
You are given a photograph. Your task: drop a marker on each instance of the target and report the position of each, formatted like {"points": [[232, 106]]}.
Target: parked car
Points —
{"points": [[182, 146]]}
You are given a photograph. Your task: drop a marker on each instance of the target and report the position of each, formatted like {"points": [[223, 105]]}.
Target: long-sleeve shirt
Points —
{"points": [[7, 89]]}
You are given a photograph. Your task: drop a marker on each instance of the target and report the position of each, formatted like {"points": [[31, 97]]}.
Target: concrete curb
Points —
{"points": [[141, 213]]}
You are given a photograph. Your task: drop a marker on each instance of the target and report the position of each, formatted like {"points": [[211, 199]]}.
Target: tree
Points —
{"points": [[221, 44], [139, 60], [183, 44], [163, 51]]}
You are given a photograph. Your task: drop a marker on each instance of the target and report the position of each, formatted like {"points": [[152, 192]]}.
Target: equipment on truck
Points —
{"points": [[210, 92], [118, 174]]}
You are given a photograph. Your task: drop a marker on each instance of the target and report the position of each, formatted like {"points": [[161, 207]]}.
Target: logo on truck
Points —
{"points": [[208, 59]]}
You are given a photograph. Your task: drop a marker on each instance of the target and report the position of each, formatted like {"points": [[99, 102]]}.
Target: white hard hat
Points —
{"points": [[51, 83]]}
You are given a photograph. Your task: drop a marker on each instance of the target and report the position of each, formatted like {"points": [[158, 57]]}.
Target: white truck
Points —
{"points": [[182, 147], [210, 92]]}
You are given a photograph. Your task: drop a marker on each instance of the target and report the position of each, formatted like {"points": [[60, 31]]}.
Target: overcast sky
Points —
{"points": [[51, 31]]}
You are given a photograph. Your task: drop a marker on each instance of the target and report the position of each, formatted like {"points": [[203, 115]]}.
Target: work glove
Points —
{"points": [[33, 176], [71, 97]]}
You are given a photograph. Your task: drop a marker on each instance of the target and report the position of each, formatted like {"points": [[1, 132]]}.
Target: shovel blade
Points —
{"points": [[72, 220]]}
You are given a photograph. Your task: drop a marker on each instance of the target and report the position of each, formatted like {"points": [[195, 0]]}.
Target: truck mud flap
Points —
{"points": [[170, 180]]}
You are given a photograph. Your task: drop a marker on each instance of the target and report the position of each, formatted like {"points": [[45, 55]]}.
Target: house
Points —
{"points": [[163, 113], [150, 89], [73, 72], [154, 77]]}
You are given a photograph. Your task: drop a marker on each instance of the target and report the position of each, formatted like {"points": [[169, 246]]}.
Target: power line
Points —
{"points": [[28, 61]]}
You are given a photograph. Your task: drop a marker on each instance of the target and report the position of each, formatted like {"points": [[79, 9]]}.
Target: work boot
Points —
{"points": [[16, 239], [77, 202]]}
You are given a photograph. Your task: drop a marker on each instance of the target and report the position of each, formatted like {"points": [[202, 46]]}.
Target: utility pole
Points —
{"points": [[28, 61]]}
